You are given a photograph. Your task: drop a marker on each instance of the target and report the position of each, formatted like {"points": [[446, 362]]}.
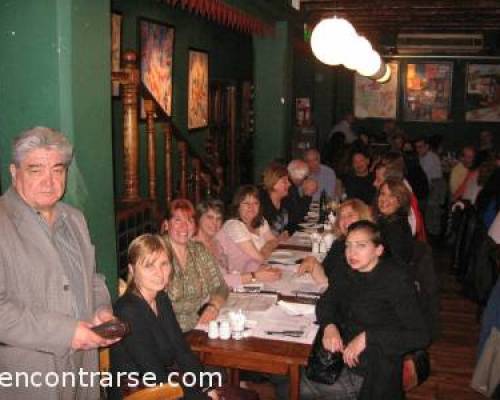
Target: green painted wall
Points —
{"points": [[273, 90], [230, 60], [54, 71]]}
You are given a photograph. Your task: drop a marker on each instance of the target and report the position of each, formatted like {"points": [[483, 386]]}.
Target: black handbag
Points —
{"points": [[323, 366]]}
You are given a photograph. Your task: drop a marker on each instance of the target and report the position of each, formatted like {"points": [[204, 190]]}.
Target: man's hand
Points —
{"points": [[102, 315], [309, 187], [85, 339]]}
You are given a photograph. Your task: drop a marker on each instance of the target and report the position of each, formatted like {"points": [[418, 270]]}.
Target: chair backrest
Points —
{"points": [[164, 392]]}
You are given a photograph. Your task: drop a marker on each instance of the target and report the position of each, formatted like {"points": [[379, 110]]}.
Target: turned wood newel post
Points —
{"points": [[168, 163], [149, 108], [183, 152], [130, 91], [197, 179]]}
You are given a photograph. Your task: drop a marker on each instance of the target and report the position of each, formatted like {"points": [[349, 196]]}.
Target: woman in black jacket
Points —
{"points": [[155, 344], [372, 317], [392, 207]]}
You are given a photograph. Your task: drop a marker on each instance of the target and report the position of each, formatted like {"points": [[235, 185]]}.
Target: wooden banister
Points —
{"points": [[168, 163], [197, 179], [183, 153], [130, 91], [149, 108]]}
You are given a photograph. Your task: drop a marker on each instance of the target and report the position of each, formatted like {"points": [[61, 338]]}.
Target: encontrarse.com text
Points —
{"points": [[106, 379]]}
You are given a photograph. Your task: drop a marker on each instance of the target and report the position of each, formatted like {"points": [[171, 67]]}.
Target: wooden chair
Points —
{"points": [[164, 392]]}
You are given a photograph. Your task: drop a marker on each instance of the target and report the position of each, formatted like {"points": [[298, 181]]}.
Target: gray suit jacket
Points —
{"points": [[36, 309]]}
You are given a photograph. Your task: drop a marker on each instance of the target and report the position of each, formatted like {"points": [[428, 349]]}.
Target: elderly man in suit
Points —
{"points": [[50, 294]]}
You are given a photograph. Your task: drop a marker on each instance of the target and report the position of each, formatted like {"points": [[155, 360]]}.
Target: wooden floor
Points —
{"points": [[452, 356]]}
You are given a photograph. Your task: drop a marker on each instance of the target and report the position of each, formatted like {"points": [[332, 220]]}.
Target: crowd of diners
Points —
{"points": [[370, 310]]}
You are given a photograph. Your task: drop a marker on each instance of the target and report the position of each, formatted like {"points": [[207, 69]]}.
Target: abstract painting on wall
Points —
{"points": [[157, 48], [482, 96], [198, 89]]}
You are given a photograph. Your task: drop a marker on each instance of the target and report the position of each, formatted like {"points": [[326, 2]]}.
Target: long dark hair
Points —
{"points": [[239, 197]]}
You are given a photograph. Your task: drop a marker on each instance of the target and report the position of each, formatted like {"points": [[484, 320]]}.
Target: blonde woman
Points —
{"points": [[348, 212], [155, 344]]}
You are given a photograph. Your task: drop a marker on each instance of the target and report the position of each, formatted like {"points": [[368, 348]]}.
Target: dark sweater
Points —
{"points": [[155, 343], [297, 206], [397, 236], [276, 218], [383, 304], [360, 187]]}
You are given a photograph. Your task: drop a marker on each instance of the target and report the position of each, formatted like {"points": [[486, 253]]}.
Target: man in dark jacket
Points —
{"points": [[300, 193]]}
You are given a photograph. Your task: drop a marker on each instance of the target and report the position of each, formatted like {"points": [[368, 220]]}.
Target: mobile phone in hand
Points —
{"points": [[113, 329]]}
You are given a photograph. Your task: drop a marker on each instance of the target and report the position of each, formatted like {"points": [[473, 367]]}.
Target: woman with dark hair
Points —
{"points": [[392, 207], [155, 344], [209, 218], [371, 316], [196, 274], [247, 240]]}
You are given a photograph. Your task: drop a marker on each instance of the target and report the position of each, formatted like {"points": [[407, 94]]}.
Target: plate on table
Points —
{"points": [[281, 254]]}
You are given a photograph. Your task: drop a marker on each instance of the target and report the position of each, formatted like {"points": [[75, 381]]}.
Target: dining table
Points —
{"points": [[271, 355]]}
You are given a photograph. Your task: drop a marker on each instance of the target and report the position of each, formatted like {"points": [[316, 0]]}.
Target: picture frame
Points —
{"points": [[377, 100], [482, 93], [198, 77], [427, 91], [116, 45], [156, 44]]}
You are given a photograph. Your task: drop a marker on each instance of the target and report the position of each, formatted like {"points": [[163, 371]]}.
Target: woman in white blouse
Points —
{"points": [[247, 241]]}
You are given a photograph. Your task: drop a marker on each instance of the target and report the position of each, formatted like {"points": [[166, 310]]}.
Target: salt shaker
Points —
{"points": [[322, 246], [213, 329], [224, 330], [315, 240]]}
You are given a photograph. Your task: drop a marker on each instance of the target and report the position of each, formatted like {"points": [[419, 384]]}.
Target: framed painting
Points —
{"points": [[482, 96], [116, 38], [427, 94], [157, 49], [376, 100], [198, 89]]}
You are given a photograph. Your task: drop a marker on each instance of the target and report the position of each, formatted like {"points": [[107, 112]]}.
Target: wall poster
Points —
{"points": [[427, 94], [376, 100], [198, 89], [157, 47], [482, 96]]}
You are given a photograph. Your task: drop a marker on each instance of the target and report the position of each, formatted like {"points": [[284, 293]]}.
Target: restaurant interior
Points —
{"points": [[167, 99]]}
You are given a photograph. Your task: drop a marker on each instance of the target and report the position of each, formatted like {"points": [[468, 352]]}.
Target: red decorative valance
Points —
{"points": [[224, 14]]}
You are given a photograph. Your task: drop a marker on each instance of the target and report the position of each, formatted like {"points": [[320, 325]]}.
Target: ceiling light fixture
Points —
{"points": [[334, 41]]}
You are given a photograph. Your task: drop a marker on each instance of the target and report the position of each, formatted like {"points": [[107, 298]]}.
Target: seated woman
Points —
{"points": [[392, 166], [275, 185], [196, 274], [155, 344], [348, 212], [209, 218], [393, 204], [372, 317], [247, 241]]}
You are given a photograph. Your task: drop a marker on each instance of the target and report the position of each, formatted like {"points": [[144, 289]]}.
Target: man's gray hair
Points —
{"points": [[41, 137], [298, 170]]}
